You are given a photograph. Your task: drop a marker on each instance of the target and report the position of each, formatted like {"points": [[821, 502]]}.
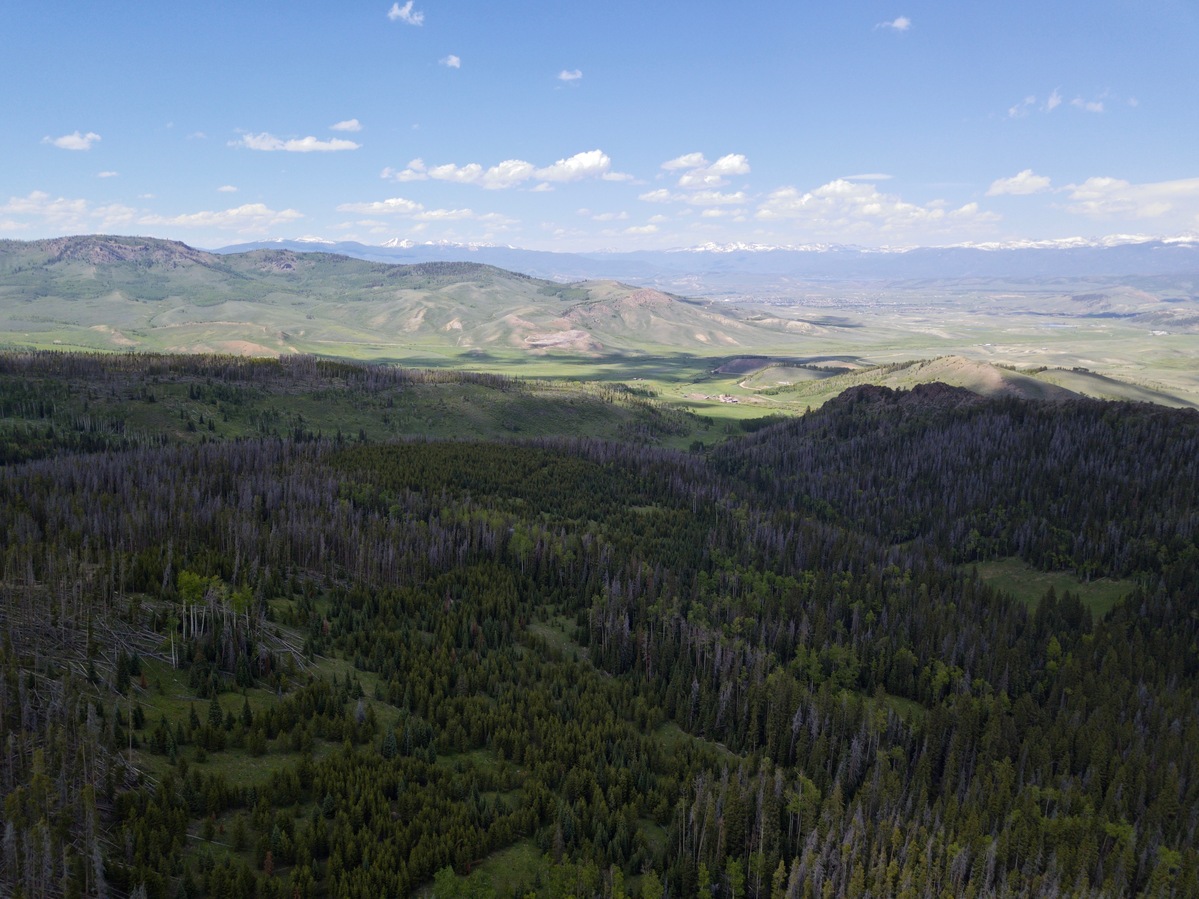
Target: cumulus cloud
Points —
{"points": [[107, 174], [1054, 101], [900, 23], [39, 209], [1175, 202], [347, 125], [641, 229], [847, 208], [63, 214], [74, 141], [572, 75], [1020, 184], [510, 172], [406, 14], [1087, 105], [227, 189], [451, 62], [270, 143], [589, 164], [686, 161], [250, 218], [41, 204], [698, 174]]}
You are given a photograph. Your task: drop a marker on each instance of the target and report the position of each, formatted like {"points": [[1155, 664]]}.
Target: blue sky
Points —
{"points": [[583, 126]]}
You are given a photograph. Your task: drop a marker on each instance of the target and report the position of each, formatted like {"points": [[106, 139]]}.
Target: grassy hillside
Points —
{"points": [[813, 385], [131, 294], [106, 293]]}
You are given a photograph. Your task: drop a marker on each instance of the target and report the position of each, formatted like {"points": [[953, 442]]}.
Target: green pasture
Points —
{"points": [[1028, 585]]}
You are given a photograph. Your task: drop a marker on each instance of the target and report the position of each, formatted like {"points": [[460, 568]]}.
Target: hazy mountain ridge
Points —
{"points": [[1064, 259]]}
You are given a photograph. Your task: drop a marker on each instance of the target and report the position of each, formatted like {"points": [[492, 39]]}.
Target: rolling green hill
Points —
{"points": [[124, 294], [118, 293]]}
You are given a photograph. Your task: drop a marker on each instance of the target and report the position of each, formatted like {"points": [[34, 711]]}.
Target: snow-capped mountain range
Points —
{"points": [[718, 268]]}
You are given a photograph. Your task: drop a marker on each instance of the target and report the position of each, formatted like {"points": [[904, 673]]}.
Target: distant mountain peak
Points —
{"points": [[106, 249]]}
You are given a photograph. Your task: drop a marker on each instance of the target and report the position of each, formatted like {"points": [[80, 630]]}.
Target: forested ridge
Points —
{"points": [[297, 665]]}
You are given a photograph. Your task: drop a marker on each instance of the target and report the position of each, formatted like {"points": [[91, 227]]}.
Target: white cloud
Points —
{"points": [[414, 172], [1020, 184], [406, 14], [1175, 202], [686, 161], [694, 198], [1053, 101], [394, 206], [451, 62], [347, 125], [467, 174], [901, 23], [1021, 109], [227, 189], [444, 215], [416, 212], [848, 209], [642, 229], [573, 75], [40, 204], [715, 198], [699, 174], [107, 174], [510, 172], [64, 214], [589, 164], [868, 176], [250, 218], [1087, 105], [74, 141], [270, 143]]}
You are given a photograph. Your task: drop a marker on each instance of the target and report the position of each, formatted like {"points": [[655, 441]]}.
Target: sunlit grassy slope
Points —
{"points": [[723, 359]]}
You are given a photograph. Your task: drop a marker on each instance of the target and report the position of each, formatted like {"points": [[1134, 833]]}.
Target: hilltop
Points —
{"points": [[102, 292]]}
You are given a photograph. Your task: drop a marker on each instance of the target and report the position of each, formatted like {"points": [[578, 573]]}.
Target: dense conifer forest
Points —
{"points": [[288, 664]]}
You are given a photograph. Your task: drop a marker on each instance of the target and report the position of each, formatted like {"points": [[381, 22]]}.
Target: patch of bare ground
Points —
{"points": [[573, 339]]}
